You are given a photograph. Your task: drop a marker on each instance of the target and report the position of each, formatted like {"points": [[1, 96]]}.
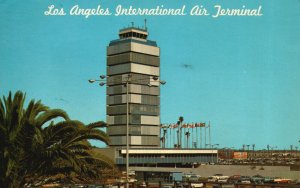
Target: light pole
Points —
{"points": [[127, 132], [248, 146], [126, 84], [212, 147], [244, 146]]}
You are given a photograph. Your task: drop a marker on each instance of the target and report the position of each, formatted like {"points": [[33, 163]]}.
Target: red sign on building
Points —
{"points": [[240, 155]]}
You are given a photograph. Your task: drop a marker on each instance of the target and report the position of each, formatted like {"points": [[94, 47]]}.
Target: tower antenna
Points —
{"points": [[145, 20]]}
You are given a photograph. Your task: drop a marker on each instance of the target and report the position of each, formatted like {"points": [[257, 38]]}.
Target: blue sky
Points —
{"points": [[242, 73]]}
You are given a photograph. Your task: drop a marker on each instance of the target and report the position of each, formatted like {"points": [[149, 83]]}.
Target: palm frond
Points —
{"points": [[49, 115], [98, 124], [33, 109]]}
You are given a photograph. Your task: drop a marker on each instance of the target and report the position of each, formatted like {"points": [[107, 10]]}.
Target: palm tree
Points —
{"points": [[32, 145], [180, 120], [18, 128]]}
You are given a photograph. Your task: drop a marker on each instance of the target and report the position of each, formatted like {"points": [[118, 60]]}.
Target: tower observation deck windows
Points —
{"points": [[132, 34]]}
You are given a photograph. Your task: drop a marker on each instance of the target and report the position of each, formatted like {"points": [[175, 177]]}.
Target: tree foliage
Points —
{"points": [[33, 146]]}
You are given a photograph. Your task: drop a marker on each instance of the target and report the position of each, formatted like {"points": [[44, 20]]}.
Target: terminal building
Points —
{"points": [[133, 70], [161, 157]]}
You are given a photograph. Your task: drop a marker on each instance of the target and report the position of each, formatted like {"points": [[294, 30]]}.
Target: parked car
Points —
{"points": [[245, 180], [194, 177], [142, 184], [234, 179], [196, 185], [257, 179], [269, 180], [223, 179], [282, 180], [166, 186], [212, 179], [186, 177]]}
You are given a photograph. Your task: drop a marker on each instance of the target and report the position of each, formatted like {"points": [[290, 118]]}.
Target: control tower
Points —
{"points": [[133, 59]]}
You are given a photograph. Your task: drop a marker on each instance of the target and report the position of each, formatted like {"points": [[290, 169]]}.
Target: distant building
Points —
{"points": [[135, 58]]}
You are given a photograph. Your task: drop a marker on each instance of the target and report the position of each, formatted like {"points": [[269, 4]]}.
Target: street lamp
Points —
{"points": [[273, 147], [213, 145], [102, 80], [126, 84]]}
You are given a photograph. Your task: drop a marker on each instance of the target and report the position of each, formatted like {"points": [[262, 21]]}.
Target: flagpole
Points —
{"points": [[200, 130], [189, 138], [182, 141], [209, 133], [176, 136], [205, 136], [193, 140], [185, 128], [170, 144]]}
